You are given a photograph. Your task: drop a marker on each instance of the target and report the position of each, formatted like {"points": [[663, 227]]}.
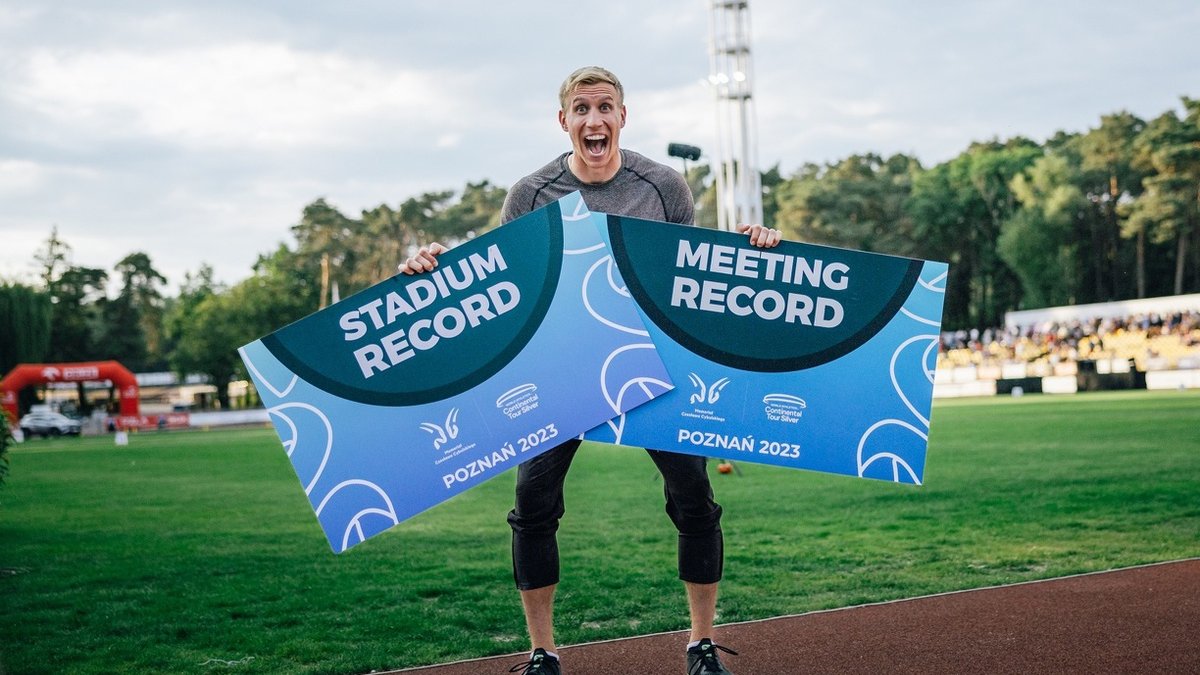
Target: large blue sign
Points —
{"points": [[420, 387], [803, 356]]}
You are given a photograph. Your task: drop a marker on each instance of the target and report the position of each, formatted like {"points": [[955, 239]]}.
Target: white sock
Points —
{"points": [[693, 644], [549, 653]]}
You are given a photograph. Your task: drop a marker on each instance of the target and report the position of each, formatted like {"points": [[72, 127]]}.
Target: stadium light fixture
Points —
{"points": [[684, 152]]}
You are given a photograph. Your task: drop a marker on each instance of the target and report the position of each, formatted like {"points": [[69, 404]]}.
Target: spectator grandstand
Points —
{"points": [[1151, 343]]}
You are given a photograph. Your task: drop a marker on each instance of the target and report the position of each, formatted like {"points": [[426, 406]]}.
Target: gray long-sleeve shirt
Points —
{"points": [[642, 188]]}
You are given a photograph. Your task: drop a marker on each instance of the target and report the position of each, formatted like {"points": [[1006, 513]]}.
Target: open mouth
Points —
{"points": [[595, 144]]}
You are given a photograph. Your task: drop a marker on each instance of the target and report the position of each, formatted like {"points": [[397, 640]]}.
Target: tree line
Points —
{"points": [[79, 313], [1106, 214]]}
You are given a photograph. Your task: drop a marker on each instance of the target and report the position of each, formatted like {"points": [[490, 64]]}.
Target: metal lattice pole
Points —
{"points": [[739, 186]]}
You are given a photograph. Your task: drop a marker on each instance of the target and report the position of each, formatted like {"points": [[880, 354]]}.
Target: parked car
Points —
{"points": [[45, 423]]}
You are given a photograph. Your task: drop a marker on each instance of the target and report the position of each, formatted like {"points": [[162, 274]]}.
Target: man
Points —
{"points": [[617, 181]]}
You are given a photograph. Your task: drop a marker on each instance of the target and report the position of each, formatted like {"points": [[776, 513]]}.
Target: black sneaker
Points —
{"points": [[540, 663], [703, 660]]}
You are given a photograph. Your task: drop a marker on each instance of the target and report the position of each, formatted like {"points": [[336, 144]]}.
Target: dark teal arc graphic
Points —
{"points": [[315, 347], [645, 254]]}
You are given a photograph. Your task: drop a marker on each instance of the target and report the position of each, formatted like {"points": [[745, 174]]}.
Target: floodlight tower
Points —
{"points": [[739, 186]]}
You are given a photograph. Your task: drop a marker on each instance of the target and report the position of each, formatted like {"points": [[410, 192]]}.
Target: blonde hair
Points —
{"points": [[589, 75]]}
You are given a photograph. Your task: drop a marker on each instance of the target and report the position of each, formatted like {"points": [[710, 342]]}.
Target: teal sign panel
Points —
{"points": [[804, 356], [401, 396]]}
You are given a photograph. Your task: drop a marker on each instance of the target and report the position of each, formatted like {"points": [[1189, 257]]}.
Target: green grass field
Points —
{"points": [[196, 552]]}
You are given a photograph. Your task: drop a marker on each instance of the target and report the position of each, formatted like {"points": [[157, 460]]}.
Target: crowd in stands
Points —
{"points": [[1151, 341]]}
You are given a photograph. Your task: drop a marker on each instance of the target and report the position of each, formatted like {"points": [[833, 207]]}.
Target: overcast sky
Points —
{"points": [[196, 131]]}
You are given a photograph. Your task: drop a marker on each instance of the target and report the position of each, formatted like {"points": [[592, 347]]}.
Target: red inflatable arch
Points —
{"points": [[28, 374]]}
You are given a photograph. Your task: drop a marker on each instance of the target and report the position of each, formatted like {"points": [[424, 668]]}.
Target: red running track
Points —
{"points": [[1136, 620]]}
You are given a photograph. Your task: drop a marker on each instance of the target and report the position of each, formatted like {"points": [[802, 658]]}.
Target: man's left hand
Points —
{"points": [[761, 236]]}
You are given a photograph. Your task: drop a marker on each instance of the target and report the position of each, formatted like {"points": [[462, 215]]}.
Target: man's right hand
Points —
{"points": [[424, 260]]}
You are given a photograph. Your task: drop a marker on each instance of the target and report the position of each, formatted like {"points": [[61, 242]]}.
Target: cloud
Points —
{"points": [[244, 95], [20, 176], [198, 130], [682, 114], [449, 140]]}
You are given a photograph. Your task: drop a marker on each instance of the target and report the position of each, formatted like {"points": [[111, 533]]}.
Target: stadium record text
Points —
{"points": [[423, 334]]}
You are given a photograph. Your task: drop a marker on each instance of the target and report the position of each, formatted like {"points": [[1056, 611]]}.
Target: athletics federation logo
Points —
{"points": [[445, 433], [704, 393], [784, 407], [518, 400]]}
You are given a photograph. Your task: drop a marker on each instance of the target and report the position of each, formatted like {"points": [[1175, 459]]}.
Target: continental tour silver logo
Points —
{"points": [[784, 407], [518, 400]]}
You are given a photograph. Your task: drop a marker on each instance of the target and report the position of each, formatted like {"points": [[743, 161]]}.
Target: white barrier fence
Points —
{"points": [[1173, 379], [229, 418], [961, 382]]}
